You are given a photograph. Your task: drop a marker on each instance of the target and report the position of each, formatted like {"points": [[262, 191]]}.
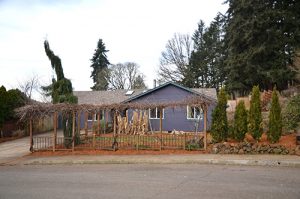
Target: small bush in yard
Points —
{"points": [[291, 114], [240, 121], [275, 121], [219, 128], [255, 117]]}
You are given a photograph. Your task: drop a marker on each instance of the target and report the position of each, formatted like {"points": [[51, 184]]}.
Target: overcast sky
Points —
{"points": [[132, 30]]}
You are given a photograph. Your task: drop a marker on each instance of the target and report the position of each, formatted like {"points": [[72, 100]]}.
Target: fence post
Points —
{"points": [[138, 142], [31, 137], [94, 140], [184, 141]]}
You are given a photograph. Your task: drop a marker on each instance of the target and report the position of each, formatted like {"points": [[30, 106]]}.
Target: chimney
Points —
{"points": [[154, 83]]}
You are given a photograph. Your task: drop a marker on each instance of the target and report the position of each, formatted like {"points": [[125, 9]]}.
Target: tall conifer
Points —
{"points": [[275, 120], [219, 128], [255, 117]]}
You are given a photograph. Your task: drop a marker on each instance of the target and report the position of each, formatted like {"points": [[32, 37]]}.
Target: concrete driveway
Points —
{"points": [[12, 150], [16, 149]]}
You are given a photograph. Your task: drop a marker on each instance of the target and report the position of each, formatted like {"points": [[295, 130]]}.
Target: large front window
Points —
{"points": [[194, 112], [154, 113]]}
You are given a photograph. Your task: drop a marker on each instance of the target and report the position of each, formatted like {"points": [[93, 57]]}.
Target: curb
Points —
{"points": [[168, 160]]}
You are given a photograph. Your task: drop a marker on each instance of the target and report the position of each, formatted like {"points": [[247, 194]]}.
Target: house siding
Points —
{"points": [[174, 118]]}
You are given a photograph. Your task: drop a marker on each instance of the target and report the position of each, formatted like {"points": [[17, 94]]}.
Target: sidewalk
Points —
{"points": [[251, 160]]}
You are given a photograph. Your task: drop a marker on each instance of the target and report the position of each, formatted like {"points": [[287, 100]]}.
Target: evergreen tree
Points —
{"points": [[240, 121], [219, 128], [61, 91], [9, 101], [3, 106], [139, 83], [275, 120], [255, 117], [206, 64], [262, 37], [100, 63]]}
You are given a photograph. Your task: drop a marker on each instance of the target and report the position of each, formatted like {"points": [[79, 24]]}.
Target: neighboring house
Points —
{"points": [[179, 118]]}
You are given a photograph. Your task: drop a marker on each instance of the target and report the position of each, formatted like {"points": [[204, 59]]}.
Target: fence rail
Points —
{"points": [[155, 141]]}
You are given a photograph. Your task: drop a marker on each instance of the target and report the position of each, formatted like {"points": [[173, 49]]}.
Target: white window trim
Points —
{"points": [[95, 116], [187, 113], [157, 116]]}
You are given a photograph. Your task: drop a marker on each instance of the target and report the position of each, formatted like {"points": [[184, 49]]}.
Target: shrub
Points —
{"points": [[291, 114], [219, 128], [240, 121], [9, 101], [102, 126], [275, 121], [255, 117]]}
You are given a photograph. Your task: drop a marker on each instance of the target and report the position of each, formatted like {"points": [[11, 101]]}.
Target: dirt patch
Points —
{"points": [[288, 141]]}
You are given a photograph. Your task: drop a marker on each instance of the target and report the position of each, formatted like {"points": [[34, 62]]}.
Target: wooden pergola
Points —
{"points": [[40, 110]]}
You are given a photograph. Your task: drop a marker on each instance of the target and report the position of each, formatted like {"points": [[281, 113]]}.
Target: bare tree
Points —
{"points": [[175, 59], [131, 72], [126, 76], [29, 86], [117, 78]]}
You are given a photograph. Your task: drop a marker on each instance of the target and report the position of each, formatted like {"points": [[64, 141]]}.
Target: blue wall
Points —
{"points": [[174, 118]]}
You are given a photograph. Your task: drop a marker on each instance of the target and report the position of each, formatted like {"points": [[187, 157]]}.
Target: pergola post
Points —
{"points": [[99, 124], [205, 127], [93, 130], [73, 131], [160, 126], [106, 121], [115, 130], [115, 123], [31, 137], [54, 130], [86, 115], [79, 121]]}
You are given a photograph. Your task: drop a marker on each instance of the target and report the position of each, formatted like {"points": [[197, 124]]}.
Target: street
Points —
{"points": [[148, 181]]}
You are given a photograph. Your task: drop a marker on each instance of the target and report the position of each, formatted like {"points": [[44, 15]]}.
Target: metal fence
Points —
{"points": [[156, 141]]}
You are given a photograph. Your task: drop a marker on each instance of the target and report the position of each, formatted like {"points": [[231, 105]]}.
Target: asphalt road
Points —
{"points": [[148, 181]]}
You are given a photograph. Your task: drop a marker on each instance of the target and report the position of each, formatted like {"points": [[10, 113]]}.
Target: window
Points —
{"points": [[154, 113], [94, 116], [194, 112]]}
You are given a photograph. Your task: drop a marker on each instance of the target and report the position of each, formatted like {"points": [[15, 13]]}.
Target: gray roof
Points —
{"points": [[118, 96], [104, 97]]}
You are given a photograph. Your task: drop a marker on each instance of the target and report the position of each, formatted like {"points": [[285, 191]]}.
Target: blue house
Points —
{"points": [[182, 118]]}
